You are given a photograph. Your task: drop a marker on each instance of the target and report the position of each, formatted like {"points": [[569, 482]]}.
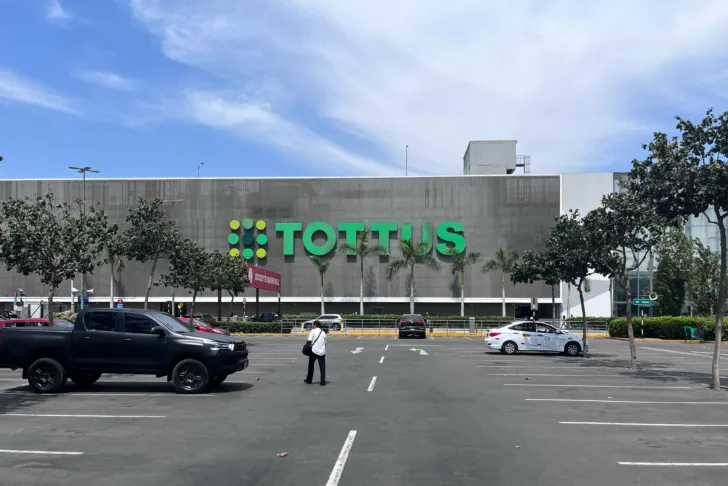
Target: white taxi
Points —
{"points": [[533, 336]]}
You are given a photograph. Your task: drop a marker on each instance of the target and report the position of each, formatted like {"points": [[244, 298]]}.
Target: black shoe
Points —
{"points": [[307, 382]]}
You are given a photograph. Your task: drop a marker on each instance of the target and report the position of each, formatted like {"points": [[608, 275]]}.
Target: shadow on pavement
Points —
{"points": [[161, 388]]}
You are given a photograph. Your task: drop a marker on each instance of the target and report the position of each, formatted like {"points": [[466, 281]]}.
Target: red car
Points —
{"points": [[201, 326], [35, 322]]}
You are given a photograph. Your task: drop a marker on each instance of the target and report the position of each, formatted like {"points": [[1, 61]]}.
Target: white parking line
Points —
{"points": [[54, 453], [341, 461], [606, 386], [644, 425], [698, 464], [371, 385], [79, 416], [116, 394], [574, 367], [381, 360], [386, 347], [272, 359], [621, 401], [269, 364], [534, 374], [432, 337], [11, 379]]}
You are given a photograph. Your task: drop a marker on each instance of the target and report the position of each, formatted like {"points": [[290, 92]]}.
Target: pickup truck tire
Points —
{"points": [[46, 375], [85, 378], [190, 376]]}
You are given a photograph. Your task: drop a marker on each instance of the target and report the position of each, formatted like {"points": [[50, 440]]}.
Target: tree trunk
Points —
{"points": [[719, 309], [462, 293], [361, 288], [630, 327], [583, 316], [503, 291], [51, 293], [111, 287], [322, 295], [192, 307], [412, 289], [230, 312], [151, 280], [553, 304]]}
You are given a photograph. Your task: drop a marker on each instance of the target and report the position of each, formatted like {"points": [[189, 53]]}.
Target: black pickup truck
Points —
{"points": [[121, 341]]}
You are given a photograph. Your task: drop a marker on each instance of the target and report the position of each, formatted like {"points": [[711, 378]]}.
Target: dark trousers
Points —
{"points": [[322, 367]]}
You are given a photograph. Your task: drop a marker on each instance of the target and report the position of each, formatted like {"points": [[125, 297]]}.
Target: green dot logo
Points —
{"points": [[248, 238]]}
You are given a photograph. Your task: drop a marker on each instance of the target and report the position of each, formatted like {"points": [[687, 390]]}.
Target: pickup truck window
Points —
{"points": [[100, 321], [138, 323], [173, 324]]}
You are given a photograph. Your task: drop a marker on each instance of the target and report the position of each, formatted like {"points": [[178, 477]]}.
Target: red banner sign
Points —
{"points": [[264, 279]]}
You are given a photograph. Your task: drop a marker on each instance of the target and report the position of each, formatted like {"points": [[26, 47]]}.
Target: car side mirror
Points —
{"points": [[159, 330]]}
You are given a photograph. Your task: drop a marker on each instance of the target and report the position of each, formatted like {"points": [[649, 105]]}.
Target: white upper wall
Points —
{"points": [[490, 157]]}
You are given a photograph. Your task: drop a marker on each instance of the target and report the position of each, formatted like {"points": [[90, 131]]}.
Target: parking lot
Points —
{"points": [[395, 412]]}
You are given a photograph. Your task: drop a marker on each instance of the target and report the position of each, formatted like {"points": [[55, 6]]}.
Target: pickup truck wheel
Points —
{"points": [[85, 379], [190, 376], [46, 375]]}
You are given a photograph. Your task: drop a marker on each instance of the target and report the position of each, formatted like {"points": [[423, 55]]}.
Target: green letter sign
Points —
{"points": [[328, 245], [289, 231], [350, 230], [450, 232], [383, 230]]}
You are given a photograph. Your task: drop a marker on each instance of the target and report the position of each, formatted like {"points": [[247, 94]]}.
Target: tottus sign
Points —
{"points": [[321, 238]]}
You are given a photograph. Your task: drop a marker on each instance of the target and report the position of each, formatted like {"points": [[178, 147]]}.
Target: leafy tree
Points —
{"points": [[188, 265], [577, 251], [688, 175], [363, 248], [227, 273], [460, 261], [412, 254], [53, 240], [148, 236], [538, 267], [704, 280], [631, 229], [503, 262], [674, 261], [322, 266]]}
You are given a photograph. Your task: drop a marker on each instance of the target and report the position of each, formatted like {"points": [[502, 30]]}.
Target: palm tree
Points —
{"points": [[412, 254], [363, 248], [116, 262], [504, 262], [321, 266], [460, 261]]}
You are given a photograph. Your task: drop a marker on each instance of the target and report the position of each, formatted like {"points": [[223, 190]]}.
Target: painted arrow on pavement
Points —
{"points": [[422, 351], [357, 351]]}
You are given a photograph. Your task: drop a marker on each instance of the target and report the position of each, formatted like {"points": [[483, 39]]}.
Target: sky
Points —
{"points": [[154, 88]]}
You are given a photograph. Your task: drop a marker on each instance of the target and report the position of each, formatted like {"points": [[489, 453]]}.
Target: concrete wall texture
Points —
{"points": [[513, 212]]}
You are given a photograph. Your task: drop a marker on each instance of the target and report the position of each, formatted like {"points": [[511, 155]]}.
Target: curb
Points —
{"points": [[655, 340]]}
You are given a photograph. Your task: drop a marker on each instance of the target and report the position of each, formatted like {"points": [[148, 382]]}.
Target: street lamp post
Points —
{"points": [[83, 171]]}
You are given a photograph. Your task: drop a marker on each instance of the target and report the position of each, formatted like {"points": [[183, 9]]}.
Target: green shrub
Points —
{"points": [[257, 327], [664, 327], [69, 316], [590, 319]]}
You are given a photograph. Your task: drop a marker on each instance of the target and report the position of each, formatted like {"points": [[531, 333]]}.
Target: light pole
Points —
{"points": [[83, 171], [198, 168], [406, 158]]}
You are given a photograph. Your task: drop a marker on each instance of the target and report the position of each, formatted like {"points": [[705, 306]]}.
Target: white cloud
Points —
{"points": [[18, 89], [56, 13], [108, 80], [559, 77]]}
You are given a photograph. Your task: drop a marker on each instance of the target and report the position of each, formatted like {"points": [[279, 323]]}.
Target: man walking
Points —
{"points": [[317, 338]]}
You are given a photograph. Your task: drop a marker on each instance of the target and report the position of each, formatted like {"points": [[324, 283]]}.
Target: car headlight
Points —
{"points": [[215, 346]]}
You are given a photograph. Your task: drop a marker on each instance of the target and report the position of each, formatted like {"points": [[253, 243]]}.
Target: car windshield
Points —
{"points": [[63, 323], [173, 324]]}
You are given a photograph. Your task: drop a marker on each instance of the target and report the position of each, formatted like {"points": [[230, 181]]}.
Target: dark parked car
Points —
{"points": [[267, 317], [34, 322], [412, 325], [121, 341]]}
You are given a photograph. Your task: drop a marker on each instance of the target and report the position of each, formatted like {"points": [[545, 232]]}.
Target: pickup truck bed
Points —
{"points": [[121, 341]]}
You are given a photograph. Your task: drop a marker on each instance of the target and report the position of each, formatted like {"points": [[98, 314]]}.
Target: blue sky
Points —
{"points": [[151, 88]]}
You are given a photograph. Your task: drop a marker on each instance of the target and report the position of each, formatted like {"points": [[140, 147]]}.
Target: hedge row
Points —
{"points": [[241, 327], [665, 327]]}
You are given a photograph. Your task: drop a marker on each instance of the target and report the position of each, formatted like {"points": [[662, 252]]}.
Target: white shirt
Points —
{"points": [[319, 347]]}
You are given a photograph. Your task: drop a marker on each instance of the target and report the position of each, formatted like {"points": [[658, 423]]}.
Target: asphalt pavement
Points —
{"points": [[439, 411]]}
